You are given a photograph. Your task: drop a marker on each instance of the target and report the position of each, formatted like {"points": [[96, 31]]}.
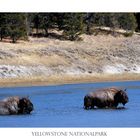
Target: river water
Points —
{"points": [[62, 106]]}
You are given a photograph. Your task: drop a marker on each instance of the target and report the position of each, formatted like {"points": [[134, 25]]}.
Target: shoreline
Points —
{"points": [[62, 80]]}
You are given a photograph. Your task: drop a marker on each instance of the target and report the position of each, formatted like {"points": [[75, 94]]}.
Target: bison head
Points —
{"points": [[87, 102], [25, 106], [121, 97]]}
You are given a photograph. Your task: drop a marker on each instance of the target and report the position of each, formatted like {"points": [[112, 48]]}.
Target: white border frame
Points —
{"points": [[69, 6]]}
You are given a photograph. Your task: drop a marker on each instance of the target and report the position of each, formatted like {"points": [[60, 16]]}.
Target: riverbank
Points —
{"points": [[60, 80], [49, 61]]}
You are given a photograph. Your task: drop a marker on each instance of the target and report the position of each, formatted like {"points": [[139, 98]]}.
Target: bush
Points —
{"points": [[128, 34]]}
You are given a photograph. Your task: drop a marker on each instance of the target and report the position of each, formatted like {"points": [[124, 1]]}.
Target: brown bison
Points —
{"points": [[15, 105], [105, 98]]}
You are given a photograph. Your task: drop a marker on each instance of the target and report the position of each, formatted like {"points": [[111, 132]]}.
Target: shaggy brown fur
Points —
{"points": [[105, 98], [15, 105]]}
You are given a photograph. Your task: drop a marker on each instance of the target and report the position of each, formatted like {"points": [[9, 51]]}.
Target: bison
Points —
{"points": [[15, 105], [105, 98]]}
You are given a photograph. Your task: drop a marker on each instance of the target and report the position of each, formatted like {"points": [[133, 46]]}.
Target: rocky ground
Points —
{"points": [[94, 56]]}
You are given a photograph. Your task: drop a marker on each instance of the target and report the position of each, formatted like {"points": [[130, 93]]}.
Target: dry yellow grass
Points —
{"points": [[88, 52], [66, 79]]}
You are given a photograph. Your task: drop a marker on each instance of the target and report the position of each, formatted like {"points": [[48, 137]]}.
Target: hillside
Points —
{"points": [[53, 61]]}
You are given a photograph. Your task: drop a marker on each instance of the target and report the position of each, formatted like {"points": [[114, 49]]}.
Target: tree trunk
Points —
{"points": [[13, 40], [1, 37], [36, 31], [88, 29], [46, 32]]}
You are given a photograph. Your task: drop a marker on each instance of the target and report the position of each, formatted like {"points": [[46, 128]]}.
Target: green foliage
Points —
{"points": [[3, 27], [13, 25], [88, 22], [21, 25], [59, 20], [137, 16], [43, 21], [46, 22], [16, 26], [73, 25], [127, 21]]}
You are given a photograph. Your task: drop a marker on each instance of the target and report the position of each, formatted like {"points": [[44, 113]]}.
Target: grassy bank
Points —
{"points": [[59, 80], [49, 61]]}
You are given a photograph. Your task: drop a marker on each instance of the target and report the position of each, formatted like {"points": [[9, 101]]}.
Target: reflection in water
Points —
{"points": [[62, 106]]}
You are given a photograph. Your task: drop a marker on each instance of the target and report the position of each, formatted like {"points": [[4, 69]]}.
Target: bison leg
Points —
{"points": [[99, 103], [92, 107], [85, 107]]}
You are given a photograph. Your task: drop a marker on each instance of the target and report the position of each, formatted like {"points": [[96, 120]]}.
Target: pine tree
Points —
{"points": [[35, 18], [43, 21], [59, 20], [73, 25], [127, 21], [137, 16], [16, 26], [46, 22], [3, 28], [88, 20], [27, 24]]}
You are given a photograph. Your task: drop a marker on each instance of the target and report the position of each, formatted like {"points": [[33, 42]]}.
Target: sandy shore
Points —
{"points": [[60, 80]]}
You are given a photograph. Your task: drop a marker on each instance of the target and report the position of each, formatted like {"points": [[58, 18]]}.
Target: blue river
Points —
{"points": [[62, 106]]}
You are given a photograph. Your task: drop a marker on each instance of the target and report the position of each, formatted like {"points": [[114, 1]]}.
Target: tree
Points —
{"points": [[36, 21], [73, 25], [43, 21], [3, 28], [127, 21], [59, 20], [116, 20], [46, 22], [105, 19], [137, 16], [88, 20], [16, 26]]}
